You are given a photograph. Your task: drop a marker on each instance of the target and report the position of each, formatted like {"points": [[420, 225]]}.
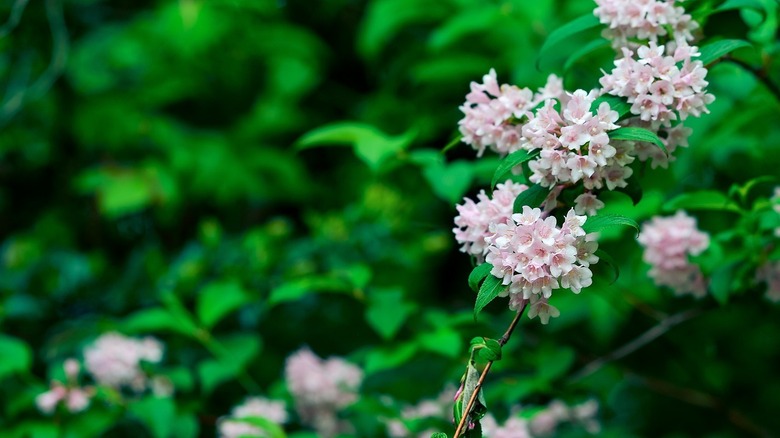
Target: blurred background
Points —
{"points": [[158, 176]]}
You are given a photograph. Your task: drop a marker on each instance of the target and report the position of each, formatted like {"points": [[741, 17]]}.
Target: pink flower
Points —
{"points": [[668, 242], [321, 388], [474, 219], [114, 360], [253, 407], [646, 20], [769, 273]]}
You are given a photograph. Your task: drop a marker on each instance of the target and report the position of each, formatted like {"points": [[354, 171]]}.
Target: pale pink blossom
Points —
{"points": [[769, 273], [253, 407], [474, 218], [115, 360], [321, 388], [668, 243], [647, 20]]}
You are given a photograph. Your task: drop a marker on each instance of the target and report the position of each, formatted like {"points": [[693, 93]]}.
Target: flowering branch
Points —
{"points": [[502, 341]]}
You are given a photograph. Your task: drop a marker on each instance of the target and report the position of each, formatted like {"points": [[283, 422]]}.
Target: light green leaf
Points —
{"points": [[601, 221], [532, 197], [156, 413], [702, 200], [478, 274], [444, 341], [379, 359], [510, 162], [155, 319], [713, 51], [296, 289], [491, 287], [720, 283], [439, 435], [271, 429], [219, 298], [15, 356], [370, 144], [633, 133], [565, 32], [741, 4], [450, 181], [387, 311]]}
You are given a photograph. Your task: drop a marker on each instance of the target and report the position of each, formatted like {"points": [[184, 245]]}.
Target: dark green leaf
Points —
{"points": [[633, 189], [532, 197], [605, 257], [601, 221], [491, 351], [509, 162], [720, 283], [478, 274], [633, 133], [491, 287], [584, 51], [702, 200], [565, 32], [717, 49]]}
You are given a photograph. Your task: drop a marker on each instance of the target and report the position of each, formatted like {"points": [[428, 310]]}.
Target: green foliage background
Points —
{"points": [[160, 173]]}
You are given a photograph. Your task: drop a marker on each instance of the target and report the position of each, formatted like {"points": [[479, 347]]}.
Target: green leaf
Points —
{"points": [[532, 197], [370, 144], [297, 289], [491, 287], [219, 298], [15, 356], [632, 189], [387, 311], [509, 162], [717, 49], [565, 32], [742, 192], [616, 103], [444, 341], [235, 353], [740, 5], [271, 429], [702, 200], [584, 51], [155, 319], [156, 413], [605, 257], [439, 435], [633, 133], [379, 359], [491, 351], [720, 283], [478, 274], [452, 143], [601, 221], [450, 181]]}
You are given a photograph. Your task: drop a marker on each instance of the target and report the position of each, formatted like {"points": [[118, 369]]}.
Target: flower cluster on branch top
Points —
{"points": [[236, 425], [656, 73]]}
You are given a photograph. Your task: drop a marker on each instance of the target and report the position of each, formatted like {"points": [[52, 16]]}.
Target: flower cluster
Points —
{"points": [[533, 256], [645, 20], [574, 145], [321, 388], [236, 426], [115, 360], [474, 218], [544, 422], [658, 89], [491, 112], [74, 397], [668, 241]]}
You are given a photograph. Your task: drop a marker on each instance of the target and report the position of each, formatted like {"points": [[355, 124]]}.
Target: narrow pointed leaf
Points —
{"points": [[584, 51], [602, 221], [566, 31], [718, 49], [532, 197], [478, 274], [633, 133], [507, 164], [489, 290]]}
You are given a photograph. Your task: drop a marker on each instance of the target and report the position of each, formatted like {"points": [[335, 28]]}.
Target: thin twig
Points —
{"points": [[502, 341], [14, 18], [704, 400], [645, 338], [760, 74]]}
